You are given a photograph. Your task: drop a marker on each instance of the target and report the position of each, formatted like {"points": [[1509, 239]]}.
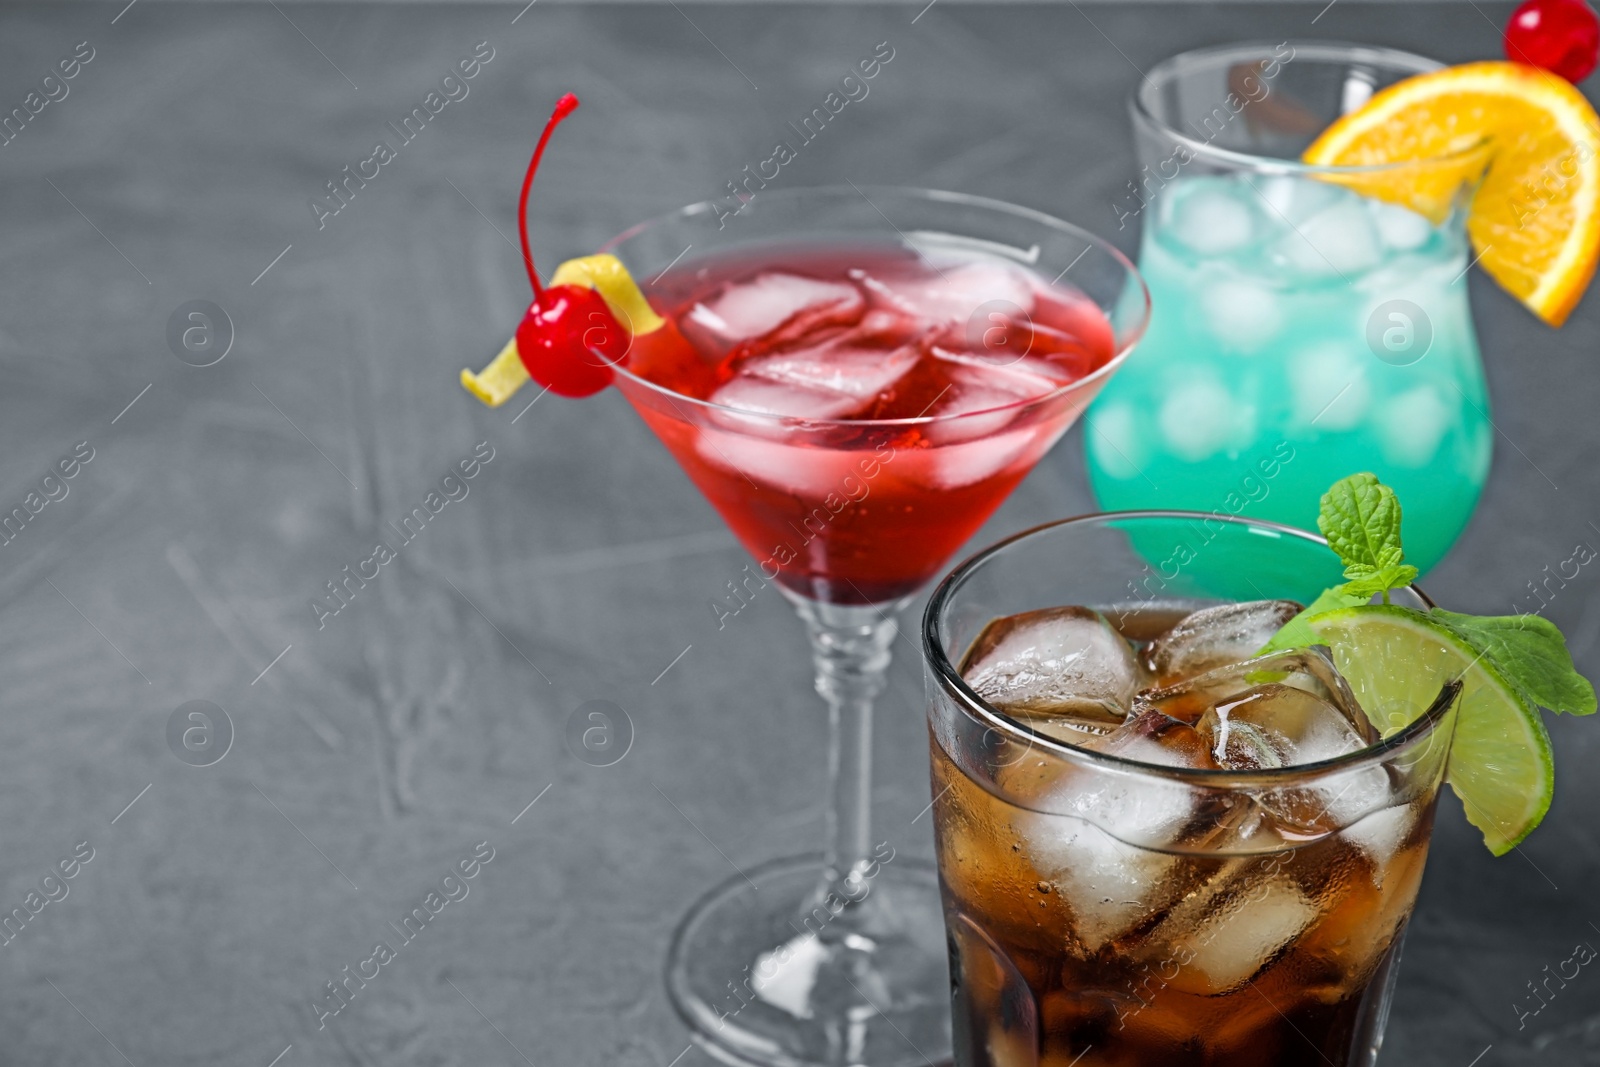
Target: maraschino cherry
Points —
{"points": [[1562, 36], [569, 340]]}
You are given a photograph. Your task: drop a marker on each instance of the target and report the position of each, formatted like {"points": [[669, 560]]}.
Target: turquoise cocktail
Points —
{"points": [[1300, 330]]}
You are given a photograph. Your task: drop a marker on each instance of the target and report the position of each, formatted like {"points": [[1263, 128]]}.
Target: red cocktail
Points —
{"points": [[865, 407]]}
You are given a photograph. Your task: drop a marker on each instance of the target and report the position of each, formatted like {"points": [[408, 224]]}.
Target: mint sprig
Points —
{"points": [[1360, 517]]}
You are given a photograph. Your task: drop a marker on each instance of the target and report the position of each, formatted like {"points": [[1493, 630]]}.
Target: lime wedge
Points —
{"points": [[1397, 659]]}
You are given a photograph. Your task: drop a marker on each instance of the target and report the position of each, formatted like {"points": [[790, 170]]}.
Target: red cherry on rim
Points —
{"points": [[569, 341], [1562, 36]]}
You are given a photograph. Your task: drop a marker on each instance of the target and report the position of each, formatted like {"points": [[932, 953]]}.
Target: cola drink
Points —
{"points": [[1157, 848]]}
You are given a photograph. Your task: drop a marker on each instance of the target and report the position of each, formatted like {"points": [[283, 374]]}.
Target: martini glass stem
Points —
{"points": [[850, 646]]}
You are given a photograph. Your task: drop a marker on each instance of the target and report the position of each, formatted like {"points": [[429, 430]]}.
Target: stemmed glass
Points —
{"points": [[839, 957]]}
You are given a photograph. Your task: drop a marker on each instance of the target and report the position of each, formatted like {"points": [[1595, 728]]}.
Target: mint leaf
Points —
{"points": [[1530, 653], [1360, 517], [1296, 634], [1370, 584]]}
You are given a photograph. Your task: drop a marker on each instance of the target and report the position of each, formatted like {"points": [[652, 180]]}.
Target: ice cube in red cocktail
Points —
{"points": [[855, 412]]}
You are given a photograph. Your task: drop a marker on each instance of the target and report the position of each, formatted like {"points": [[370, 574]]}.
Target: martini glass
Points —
{"points": [[839, 957]]}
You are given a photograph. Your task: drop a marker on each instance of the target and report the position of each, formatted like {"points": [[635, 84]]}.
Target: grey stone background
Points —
{"points": [[426, 716]]}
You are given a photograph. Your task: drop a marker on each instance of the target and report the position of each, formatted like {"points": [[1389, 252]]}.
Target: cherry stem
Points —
{"points": [[564, 107]]}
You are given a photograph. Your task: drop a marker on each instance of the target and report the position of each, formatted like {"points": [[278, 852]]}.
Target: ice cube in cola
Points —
{"points": [[1061, 668], [1215, 636], [1308, 669], [1276, 725], [1135, 913]]}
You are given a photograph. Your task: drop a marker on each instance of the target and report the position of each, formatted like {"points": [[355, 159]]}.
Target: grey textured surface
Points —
{"points": [[424, 717]]}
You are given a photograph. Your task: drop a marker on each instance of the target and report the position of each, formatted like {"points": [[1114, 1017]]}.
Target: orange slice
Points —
{"points": [[1535, 219]]}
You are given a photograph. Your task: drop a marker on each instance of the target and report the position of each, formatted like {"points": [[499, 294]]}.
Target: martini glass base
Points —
{"points": [[773, 970]]}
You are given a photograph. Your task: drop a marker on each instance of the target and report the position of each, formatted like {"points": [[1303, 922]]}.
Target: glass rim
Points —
{"points": [[975, 707], [757, 418], [1314, 50]]}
